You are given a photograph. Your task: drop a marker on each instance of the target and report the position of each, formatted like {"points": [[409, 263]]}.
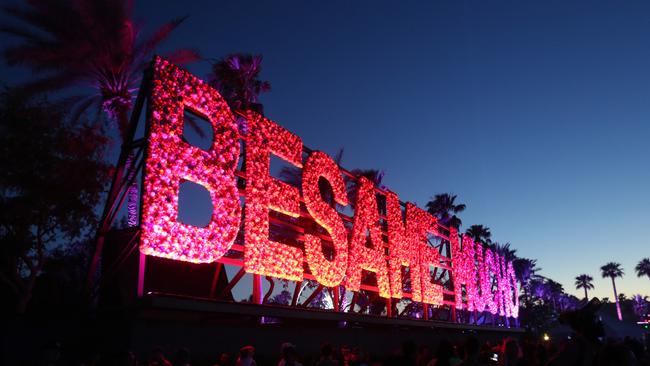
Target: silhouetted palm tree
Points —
{"points": [[236, 77], [538, 287], [88, 43], [524, 271], [480, 234], [444, 207], [640, 304], [643, 268], [555, 291], [373, 175], [613, 270], [585, 281]]}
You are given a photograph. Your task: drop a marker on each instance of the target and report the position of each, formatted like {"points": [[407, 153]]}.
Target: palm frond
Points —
{"points": [[159, 35]]}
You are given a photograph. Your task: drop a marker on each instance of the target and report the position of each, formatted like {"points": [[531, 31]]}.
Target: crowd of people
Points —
{"points": [[526, 351]]}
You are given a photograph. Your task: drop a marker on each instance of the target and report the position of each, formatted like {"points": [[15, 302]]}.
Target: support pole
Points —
{"points": [[335, 297], [257, 289], [233, 282], [141, 272], [296, 293], [313, 295], [215, 279], [389, 307]]}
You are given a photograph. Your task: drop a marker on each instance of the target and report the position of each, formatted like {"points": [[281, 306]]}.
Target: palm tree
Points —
{"points": [[538, 287], [555, 291], [374, 175], [88, 43], [524, 271], [613, 270], [92, 43], [480, 233], [640, 304], [585, 281], [643, 268], [444, 207], [236, 77]]}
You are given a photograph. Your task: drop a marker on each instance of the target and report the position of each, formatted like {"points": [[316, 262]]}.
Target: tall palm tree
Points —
{"points": [[613, 270], [585, 281], [444, 207], [89, 43], [480, 233], [643, 268], [555, 291], [524, 271], [538, 287]]}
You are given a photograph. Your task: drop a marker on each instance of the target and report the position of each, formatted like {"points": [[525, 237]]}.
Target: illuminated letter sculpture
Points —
{"points": [[329, 273], [488, 278], [263, 193], [464, 272], [429, 256], [512, 294], [170, 161], [366, 218], [403, 248], [490, 268]]}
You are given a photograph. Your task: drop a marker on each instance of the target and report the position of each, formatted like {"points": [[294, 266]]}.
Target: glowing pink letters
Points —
{"points": [[482, 280]]}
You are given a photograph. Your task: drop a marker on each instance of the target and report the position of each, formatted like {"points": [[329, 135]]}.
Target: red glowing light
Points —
{"points": [[361, 257], [329, 273], [263, 193], [403, 248], [482, 280], [464, 273], [171, 160], [429, 256]]}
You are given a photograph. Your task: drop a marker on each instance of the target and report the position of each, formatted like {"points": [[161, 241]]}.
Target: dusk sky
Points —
{"points": [[535, 113]]}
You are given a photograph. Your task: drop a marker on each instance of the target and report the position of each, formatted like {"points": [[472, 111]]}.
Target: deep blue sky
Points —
{"points": [[535, 113]]}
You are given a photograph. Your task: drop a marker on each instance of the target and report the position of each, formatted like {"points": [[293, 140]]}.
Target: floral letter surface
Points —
{"points": [[171, 160], [263, 193], [361, 257], [328, 272]]}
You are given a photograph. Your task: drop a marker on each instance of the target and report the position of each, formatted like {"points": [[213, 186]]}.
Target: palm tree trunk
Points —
{"points": [[132, 190], [618, 306], [586, 296], [132, 193]]}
